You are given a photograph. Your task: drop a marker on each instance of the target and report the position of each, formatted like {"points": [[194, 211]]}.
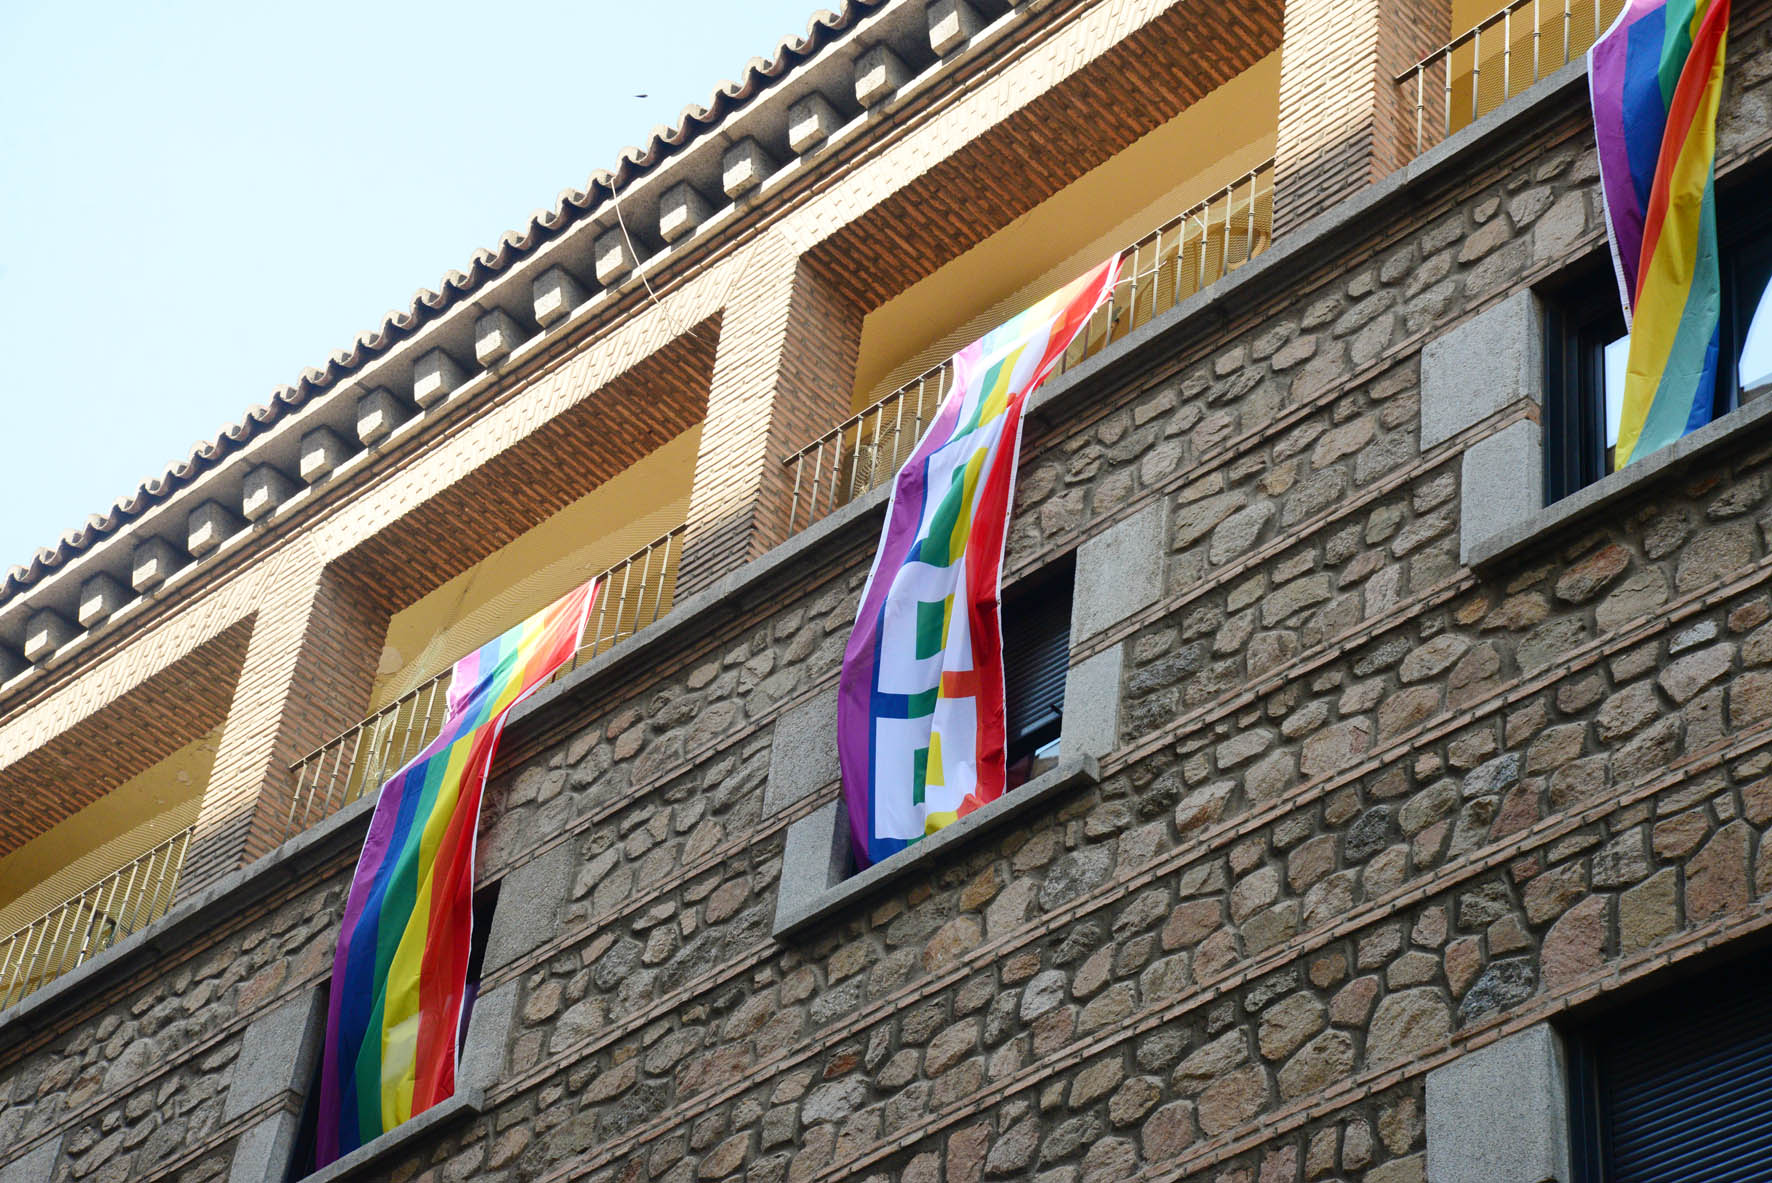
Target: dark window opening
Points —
{"points": [[1036, 658], [301, 1161], [1677, 1085], [1586, 350]]}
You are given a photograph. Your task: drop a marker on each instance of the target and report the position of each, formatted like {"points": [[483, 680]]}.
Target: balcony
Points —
{"points": [[1181, 257], [1481, 69], [85, 925], [636, 591]]}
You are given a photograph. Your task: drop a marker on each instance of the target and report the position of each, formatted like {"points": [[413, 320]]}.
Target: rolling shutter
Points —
{"points": [[1684, 1082], [1036, 653]]}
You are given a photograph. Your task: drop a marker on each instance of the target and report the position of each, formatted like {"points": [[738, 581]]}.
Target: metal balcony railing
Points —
{"points": [[637, 591], [1479, 70], [79, 929], [1183, 255]]}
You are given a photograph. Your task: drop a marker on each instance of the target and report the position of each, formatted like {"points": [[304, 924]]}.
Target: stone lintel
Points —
{"points": [[555, 294], [321, 451], [100, 596], [434, 376], [951, 24], [263, 490], [46, 630], [210, 525], [379, 411], [745, 166], [878, 74], [152, 560], [811, 122], [496, 337], [680, 211]]}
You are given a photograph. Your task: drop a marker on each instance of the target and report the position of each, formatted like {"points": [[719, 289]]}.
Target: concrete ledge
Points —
{"points": [[794, 912], [1501, 1113], [1735, 428], [357, 1164]]}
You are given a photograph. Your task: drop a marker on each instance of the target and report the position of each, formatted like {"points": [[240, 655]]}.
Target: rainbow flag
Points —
{"points": [[1656, 78], [398, 979], [920, 716]]}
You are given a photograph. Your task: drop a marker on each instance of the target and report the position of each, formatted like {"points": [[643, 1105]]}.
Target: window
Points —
{"points": [[301, 1161], [1036, 657], [1677, 1085], [1586, 350]]}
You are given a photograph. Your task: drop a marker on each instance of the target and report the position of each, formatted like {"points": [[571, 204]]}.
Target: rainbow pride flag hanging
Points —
{"points": [[398, 979], [1656, 78], [920, 716]]}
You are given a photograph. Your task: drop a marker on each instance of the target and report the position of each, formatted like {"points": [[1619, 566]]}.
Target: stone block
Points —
{"points": [[262, 1153], [1501, 1112], [528, 911], [263, 490], [489, 1037], [951, 24], [36, 1167], [1476, 368], [555, 294], [434, 376], [1091, 725], [378, 412], [802, 752], [745, 166], [321, 451], [811, 122], [151, 562], [99, 597], [210, 525], [1501, 484], [46, 630], [680, 211], [814, 858], [1119, 571], [276, 1054], [496, 336], [878, 74], [612, 256]]}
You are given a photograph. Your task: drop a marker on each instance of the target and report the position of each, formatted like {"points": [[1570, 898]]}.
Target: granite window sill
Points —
{"points": [[376, 1153], [1609, 491], [812, 886]]}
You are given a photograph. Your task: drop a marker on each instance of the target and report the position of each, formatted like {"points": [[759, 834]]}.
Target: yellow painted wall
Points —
{"points": [[87, 846], [1212, 143], [590, 535]]}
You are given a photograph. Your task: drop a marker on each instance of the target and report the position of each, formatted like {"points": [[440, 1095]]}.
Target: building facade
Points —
{"points": [[1409, 767]]}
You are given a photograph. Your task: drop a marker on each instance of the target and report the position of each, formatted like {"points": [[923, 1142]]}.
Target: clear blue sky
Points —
{"points": [[199, 199]]}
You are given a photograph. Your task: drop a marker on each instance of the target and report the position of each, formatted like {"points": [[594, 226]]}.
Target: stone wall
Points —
{"points": [[1370, 809]]}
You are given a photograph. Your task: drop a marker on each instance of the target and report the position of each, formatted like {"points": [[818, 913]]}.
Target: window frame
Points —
{"points": [[1582, 317]]}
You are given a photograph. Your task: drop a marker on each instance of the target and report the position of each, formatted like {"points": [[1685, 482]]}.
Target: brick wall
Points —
{"points": [[1343, 123]]}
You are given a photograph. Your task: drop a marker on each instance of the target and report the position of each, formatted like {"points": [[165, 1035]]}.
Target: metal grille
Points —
{"points": [[1479, 70], [1177, 259], [637, 591], [84, 926]]}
